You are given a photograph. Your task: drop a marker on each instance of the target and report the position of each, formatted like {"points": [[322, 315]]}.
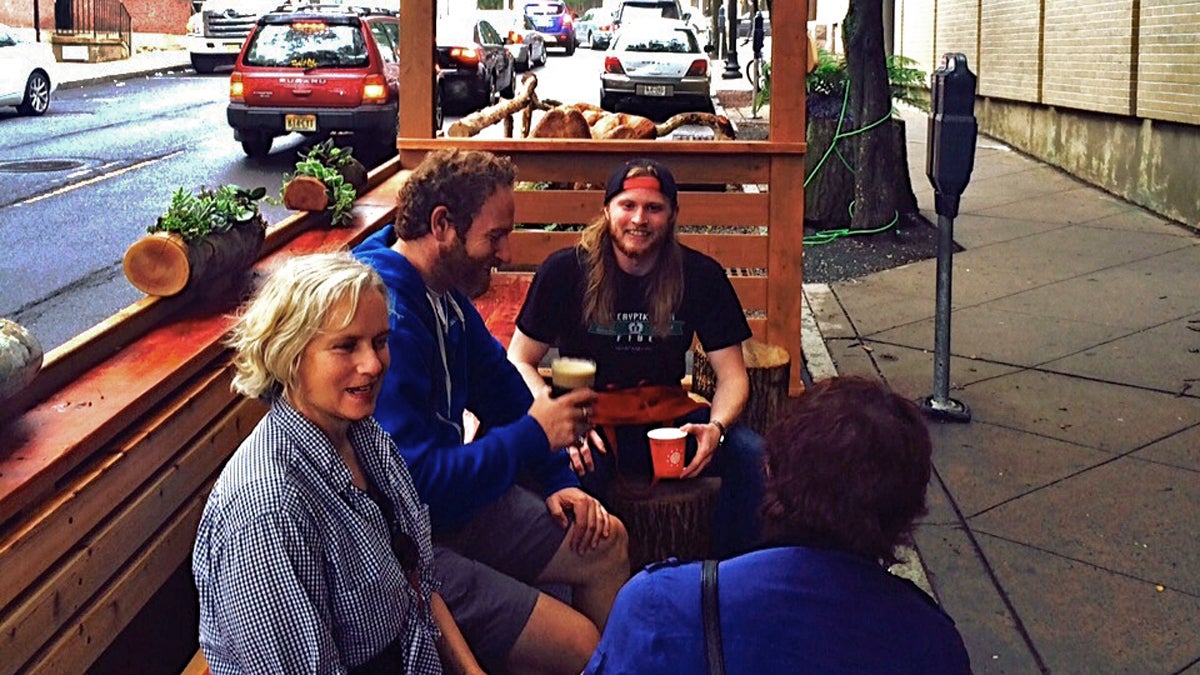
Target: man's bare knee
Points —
{"points": [[557, 639]]}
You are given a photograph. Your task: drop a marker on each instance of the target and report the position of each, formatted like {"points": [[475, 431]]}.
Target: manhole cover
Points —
{"points": [[39, 165]]}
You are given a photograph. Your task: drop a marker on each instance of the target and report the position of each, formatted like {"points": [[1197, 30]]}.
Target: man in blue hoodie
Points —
{"points": [[495, 540]]}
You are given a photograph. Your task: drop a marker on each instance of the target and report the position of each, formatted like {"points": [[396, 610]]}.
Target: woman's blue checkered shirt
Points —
{"points": [[294, 564]]}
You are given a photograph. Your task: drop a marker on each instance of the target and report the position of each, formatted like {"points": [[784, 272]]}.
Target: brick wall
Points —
{"points": [[1168, 71], [914, 37], [148, 16], [1108, 90], [957, 30], [1088, 55], [1009, 49]]}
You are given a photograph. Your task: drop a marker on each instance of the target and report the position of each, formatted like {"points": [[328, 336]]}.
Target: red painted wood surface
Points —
{"points": [[53, 437], [501, 303]]}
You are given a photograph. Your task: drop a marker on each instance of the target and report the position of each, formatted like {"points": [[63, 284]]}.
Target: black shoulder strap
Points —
{"points": [[712, 618]]}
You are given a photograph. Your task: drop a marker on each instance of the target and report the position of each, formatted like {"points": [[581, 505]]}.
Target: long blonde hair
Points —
{"points": [[664, 290]]}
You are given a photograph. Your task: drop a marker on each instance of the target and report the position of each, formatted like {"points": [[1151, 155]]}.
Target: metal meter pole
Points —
{"points": [[948, 164]]}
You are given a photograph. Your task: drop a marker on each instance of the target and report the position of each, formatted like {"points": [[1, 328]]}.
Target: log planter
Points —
{"points": [[309, 193], [164, 264]]}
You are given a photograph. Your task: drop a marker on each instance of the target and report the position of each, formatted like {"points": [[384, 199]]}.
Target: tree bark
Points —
{"points": [[882, 188], [305, 193], [669, 518], [767, 366], [163, 264]]}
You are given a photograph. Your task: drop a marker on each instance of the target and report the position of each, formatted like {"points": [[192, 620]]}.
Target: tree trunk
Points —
{"points": [[882, 188], [668, 518], [163, 264], [831, 189], [767, 366]]}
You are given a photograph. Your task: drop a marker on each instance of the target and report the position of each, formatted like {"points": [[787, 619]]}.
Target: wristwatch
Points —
{"points": [[721, 427]]}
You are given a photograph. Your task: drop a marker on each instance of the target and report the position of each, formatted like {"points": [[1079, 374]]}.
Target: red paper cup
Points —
{"points": [[667, 446]]}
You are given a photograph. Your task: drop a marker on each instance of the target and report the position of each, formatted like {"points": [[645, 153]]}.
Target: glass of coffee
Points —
{"points": [[567, 374]]}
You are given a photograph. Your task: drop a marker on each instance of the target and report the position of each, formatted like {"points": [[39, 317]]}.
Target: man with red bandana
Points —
{"points": [[631, 298]]}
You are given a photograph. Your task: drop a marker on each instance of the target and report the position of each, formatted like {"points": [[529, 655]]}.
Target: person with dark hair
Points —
{"points": [[631, 298], [495, 541], [847, 469], [313, 553]]}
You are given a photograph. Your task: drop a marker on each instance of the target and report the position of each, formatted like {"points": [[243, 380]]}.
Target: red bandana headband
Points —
{"points": [[648, 182]]}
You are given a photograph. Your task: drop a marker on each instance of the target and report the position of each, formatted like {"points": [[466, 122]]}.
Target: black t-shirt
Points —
{"points": [[624, 347]]}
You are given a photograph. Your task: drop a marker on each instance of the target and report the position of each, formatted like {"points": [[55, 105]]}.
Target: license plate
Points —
{"points": [[230, 47], [654, 90], [300, 122]]}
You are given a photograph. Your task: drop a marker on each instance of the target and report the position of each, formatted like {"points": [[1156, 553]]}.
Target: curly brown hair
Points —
{"points": [[460, 180], [847, 468]]}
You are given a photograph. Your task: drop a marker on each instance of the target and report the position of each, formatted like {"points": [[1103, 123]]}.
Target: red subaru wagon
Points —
{"points": [[318, 70]]}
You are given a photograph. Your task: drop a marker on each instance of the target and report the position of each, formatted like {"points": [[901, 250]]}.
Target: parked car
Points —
{"points": [[554, 20], [596, 27], [645, 10], [321, 71], [475, 68], [217, 30], [658, 62], [524, 42], [25, 69]]}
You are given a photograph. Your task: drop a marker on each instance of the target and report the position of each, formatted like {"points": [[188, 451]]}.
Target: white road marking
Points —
{"points": [[96, 179]]}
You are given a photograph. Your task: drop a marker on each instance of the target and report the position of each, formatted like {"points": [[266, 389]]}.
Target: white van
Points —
{"points": [[215, 33]]}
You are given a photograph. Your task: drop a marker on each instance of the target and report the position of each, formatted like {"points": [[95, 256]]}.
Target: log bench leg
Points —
{"points": [[670, 518]]}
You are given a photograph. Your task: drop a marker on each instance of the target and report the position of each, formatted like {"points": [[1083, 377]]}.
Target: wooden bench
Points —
{"points": [[106, 461]]}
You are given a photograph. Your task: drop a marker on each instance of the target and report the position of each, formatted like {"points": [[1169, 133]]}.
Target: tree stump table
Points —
{"points": [[667, 518], [768, 367]]}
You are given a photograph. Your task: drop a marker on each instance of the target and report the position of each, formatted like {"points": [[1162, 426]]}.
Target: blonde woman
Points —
{"points": [[313, 554]]}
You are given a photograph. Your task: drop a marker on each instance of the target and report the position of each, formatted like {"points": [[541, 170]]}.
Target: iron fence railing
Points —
{"points": [[98, 18]]}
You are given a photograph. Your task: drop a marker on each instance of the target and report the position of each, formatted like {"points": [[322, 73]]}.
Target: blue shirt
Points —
{"points": [[294, 564], [439, 371], [792, 610]]}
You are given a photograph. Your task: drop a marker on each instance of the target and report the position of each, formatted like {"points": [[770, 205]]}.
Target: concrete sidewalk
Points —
{"points": [[1062, 534], [147, 63]]}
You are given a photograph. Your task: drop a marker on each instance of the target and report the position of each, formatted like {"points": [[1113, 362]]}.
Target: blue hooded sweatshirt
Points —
{"points": [[423, 398]]}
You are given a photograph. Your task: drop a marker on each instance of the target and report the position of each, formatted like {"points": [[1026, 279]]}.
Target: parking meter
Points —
{"points": [[758, 34], [949, 158], [952, 130]]}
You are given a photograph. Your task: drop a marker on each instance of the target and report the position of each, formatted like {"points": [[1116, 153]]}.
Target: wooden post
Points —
{"points": [[769, 368], [669, 518]]}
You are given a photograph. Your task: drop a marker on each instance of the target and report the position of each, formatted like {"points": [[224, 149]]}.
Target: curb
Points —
{"points": [[86, 80]]}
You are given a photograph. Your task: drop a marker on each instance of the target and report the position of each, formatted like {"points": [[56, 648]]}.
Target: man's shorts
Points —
{"points": [[489, 568]]}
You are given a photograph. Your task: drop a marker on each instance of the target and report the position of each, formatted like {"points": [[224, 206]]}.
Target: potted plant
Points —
{"points": [[200, 243], [326, 177]]}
